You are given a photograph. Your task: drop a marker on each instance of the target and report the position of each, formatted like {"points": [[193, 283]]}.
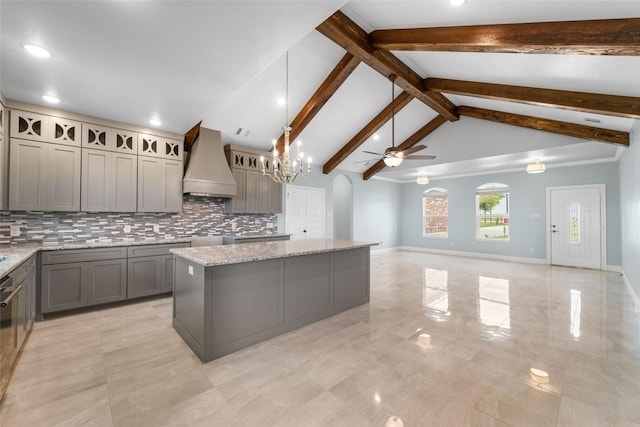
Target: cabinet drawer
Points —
{"points": [[154, 250], [81, 255]]}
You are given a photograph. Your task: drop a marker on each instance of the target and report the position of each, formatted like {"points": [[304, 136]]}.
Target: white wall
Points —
{"points": [[528, 211], [375, 206], [630, 209]]}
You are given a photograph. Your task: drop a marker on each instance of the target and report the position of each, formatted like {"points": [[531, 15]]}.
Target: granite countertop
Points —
{"points": [[17, 254], [209, 256]]}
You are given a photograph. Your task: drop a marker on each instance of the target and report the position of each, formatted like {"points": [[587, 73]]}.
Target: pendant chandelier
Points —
{"points": [[283, 170]]}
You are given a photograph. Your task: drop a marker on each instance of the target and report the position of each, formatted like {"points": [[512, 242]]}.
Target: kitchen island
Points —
{"points": [[230, 297]]}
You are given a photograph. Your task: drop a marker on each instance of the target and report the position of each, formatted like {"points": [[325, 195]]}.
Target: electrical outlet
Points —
{"points": [[127, 229], [191, 270], [156, 228], [14, 231]]}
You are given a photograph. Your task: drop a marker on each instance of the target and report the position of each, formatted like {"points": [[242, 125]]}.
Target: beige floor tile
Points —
{"points": [[489, 321], [575, 414]]}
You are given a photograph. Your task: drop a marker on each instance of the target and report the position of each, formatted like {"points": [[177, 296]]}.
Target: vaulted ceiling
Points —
{"points": [[487, 86]]}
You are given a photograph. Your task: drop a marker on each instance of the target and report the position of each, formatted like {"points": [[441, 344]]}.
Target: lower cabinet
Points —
{"points": [[24, 278], [150, 275], [150, 270], [83, 277]]}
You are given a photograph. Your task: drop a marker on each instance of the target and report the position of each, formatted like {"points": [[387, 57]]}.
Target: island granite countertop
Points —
{"points": [[210, 256]]}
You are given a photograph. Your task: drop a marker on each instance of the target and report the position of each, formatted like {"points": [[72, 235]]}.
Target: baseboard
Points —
{"points": [[379, 250], [632, 293], [475, 255], [614, 268]]}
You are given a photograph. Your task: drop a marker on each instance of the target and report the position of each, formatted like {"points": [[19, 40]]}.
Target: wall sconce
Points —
{"points": [[422, 180]]}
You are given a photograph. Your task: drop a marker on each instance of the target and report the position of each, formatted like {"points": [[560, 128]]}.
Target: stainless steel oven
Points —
{"points": [[8, 330]]}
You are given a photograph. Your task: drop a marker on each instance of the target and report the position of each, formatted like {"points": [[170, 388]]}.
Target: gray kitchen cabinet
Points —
{"points": [[3, 117], [24, 279], [109, 139], [237, 204], [41, 127], [144, 275], [4, 172], [157, 146], [28, 175], [275, 197], [28, 125], [159, 185], [80, 277], [150, 269], [44, 177], [257, 193], [4, 159], [108, 181], [106, 281], [64, 131], [251, 192], [62, 288], [63, 178]]}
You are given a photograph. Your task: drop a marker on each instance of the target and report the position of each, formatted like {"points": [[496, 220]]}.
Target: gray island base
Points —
{"points": [[227, 298]]}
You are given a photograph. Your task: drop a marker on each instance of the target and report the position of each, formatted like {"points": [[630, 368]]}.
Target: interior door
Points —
{"points": [[304, 212], [576, 226]]}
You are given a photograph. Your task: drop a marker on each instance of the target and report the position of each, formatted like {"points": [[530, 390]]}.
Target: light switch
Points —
{"points": [[127, 229], [191, 270]]}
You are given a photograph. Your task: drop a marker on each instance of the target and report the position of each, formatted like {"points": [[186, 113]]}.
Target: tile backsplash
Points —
{"points": [[200, 216]]}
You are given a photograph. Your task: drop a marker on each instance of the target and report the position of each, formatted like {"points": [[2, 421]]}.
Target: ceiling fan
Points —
{"points": [[393, 156]]}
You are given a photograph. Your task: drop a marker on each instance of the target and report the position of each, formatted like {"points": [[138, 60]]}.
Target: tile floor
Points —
{"points": [[489, 323]]}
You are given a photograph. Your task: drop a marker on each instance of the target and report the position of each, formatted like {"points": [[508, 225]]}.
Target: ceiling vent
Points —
{"points": [[591, 120], [244, 132]]}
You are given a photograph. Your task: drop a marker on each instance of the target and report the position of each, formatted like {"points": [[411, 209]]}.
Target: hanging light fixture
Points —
{"points": [[393, 160], [536, 167], [283, 170], [422, 180]]}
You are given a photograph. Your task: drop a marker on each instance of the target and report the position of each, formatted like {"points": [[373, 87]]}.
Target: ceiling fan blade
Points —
{"points": [[419, 157], [413, 149], [367, 161], [375, 154]]}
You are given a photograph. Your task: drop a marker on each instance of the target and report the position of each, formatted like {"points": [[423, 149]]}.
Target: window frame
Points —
{"points": [[492, 188], [434, 192]]}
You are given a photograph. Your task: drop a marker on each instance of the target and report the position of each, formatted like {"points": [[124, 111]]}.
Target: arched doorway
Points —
{"points": [[342, 208]]}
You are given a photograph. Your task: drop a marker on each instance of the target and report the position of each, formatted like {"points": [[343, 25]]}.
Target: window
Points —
{"points": [[492, 212], [435, 213]]}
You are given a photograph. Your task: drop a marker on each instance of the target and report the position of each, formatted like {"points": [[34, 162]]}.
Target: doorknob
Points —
{"points": [[554, 230]]}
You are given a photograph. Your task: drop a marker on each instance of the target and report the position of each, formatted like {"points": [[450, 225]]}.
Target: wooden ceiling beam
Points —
{"points": [[329, 86], [547, 125], [593, 37], [612, 105], [418, 136], [366, 132], [347, 34]]}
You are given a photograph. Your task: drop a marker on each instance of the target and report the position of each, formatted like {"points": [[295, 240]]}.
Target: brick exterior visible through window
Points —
{"points": [[435, 213]]}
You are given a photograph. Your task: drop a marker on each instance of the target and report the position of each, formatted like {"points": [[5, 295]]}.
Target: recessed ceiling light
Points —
{"points": [[457, 2], [155, 122], [37, 51], [376, 137], [51, 99], [281, 101]]}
